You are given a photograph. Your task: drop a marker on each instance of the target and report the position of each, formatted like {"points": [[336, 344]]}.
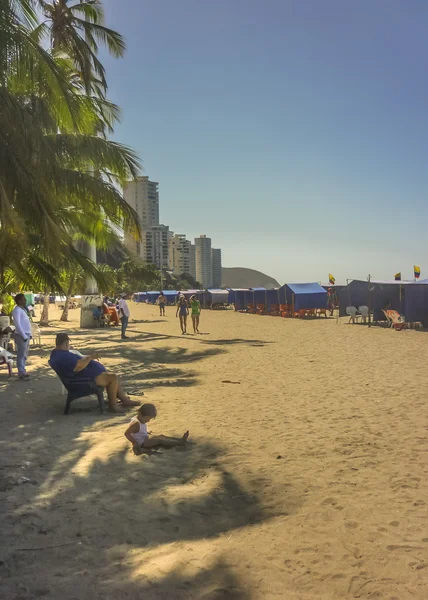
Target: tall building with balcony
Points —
{"points": [[179, 254], [143, 196], [203, 261], [155, 246], [216, 267]]}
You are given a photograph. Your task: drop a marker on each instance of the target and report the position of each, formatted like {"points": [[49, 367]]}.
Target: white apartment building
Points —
{"points": [[143, 196], [179, 254], [204, 261], [192, 260], [216, 267], [155, 246]]}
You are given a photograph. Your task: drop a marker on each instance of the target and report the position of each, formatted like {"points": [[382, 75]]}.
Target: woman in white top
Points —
{"points": [[138, 435]]}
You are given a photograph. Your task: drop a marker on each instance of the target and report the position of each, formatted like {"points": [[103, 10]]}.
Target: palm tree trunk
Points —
{"points": [[64, 316], [44, 319]]}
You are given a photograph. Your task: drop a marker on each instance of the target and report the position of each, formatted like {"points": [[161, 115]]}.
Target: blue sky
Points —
{"points": [[294, 133]]}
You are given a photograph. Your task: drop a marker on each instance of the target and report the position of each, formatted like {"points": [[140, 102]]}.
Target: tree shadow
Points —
{"points": [[217, 582], [108, 517]]}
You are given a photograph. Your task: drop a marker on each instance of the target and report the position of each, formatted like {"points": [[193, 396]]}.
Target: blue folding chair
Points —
{"points": [[80, 387]]}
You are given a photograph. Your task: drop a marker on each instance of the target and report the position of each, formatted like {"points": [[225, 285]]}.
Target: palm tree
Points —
{"points": [[39, 167], [50, 150], [76, 28]]}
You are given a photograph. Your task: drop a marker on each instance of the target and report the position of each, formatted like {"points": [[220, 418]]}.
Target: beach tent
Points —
{"points": [[304, 295], [214, 297], [241, 298], [231, 296], [375, 295], [170, 295], [415, 304], [189, 293], [141, 297], [152, 296], [259, 296], [275, 296]]}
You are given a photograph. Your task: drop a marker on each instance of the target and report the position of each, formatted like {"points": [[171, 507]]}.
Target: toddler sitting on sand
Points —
{"points": [[138, 435]]}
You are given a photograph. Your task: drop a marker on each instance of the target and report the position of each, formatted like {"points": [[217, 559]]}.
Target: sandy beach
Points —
{"points": [[306, 478]]}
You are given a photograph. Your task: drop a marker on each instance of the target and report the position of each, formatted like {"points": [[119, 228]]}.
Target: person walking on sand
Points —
{"points": [[195, 305], [68, 363], [161, 301], [183, 313], [124, 315], [139, 437], [22, 323]]}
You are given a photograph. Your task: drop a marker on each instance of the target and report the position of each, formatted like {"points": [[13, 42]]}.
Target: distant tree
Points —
{"points": [[187, 280], [134, 275]]}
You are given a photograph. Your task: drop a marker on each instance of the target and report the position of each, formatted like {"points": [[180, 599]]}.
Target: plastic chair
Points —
{"points": [[6, 359], [274, 310], [352, 312], [5, 341], [80, 387], [35, 334], [284, 310], [364, 312]]}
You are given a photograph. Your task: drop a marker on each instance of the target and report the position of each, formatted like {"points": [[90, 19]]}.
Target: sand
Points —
{"points": [[306, 479]]}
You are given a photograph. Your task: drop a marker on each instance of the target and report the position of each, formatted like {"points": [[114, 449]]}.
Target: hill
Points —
{"points": [[239, 277]]}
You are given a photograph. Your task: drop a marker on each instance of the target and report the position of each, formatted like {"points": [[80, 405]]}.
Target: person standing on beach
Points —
{"points": [[22, 324], [183, 312], [161, 301], [123, 315], [195, 305]]}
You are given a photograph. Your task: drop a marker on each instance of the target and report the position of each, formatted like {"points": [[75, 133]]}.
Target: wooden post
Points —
{"points": [[370, 302]]}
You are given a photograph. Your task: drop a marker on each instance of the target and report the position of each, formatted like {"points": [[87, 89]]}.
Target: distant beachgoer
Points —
{"points": [[123, 314], [69, 364], [139, 437], [195, 305], [161, 301], [22, 324], [183, 313]]}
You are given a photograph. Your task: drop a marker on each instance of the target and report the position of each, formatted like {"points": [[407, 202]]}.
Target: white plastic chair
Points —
{"points": [[35, 334], [364, 312], [352, 312], [5, 341], [6, 358]]}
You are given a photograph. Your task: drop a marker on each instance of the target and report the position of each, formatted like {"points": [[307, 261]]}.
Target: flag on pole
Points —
{"points": [[331, 279], [417, 271], [397, 277]]}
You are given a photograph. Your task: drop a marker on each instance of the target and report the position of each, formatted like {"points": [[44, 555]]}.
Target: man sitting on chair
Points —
{"points": [[68, 364]]}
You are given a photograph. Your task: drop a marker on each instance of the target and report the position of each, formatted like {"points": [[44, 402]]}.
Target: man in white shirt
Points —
{"points": [[22, 334], [124, 315]]}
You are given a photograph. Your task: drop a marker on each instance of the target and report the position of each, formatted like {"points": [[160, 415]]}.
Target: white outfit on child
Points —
{"points": [[141, 434]]}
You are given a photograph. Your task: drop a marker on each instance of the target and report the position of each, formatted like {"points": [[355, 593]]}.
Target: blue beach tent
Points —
{"points": [[241, 298], [304, 295]]}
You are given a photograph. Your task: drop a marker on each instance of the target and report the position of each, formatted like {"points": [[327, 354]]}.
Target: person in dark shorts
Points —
{"points": [[162, 302], [68, 364]]}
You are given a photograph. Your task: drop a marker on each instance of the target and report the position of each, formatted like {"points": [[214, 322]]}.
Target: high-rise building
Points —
{"points": [[203, 261], [192, 260], [143, 196], [155, 246], [179, 254], [216, 267]]}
